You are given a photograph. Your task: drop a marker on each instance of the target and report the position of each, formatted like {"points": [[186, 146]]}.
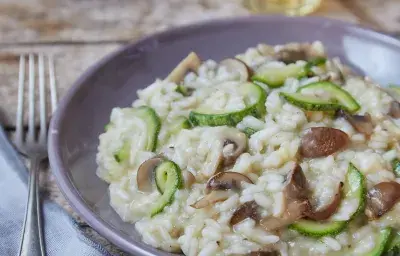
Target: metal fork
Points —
{"points": [[34, 147]]}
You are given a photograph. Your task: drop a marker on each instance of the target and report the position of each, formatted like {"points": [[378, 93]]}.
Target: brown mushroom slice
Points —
{"points": [[188, 179], [328, 210], [291, 56], [191, 62], [236, 65], [226, 180], [294, 211], [271, 250], [246, 210], [296, 187], [394, 110], [381, 198], [234, 144], [213, 197], [323, 141], [361, 123], [219, 187], [145, 174], [296, 201]]}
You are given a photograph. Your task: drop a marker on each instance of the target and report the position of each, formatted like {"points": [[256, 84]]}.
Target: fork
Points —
{"points": [[34, 147]]}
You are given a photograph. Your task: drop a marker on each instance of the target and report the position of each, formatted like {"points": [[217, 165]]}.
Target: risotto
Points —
{"points": [[276, 151]]}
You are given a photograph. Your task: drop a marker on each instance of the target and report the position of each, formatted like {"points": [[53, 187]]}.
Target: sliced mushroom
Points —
{"points": [[234, 144], [246, 210], [213, 197], [188, 179], [291, 56], [267, 250], [145, 174], [236, 65], [191, 62], [323, 141], [296, 187], [219, 188], [328, 210], [294, 211], [361, 123], [394, 110], [296, 201], [381, 198], [291, 53], [225, 181]]}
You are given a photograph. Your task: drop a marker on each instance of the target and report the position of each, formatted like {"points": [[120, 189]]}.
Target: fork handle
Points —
{"points": [[32, 237]]}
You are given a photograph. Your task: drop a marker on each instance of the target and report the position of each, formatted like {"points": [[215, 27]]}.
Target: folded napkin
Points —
{"points": [[62, 233]]}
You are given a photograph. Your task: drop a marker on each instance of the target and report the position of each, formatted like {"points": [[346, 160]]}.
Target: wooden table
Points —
{"points": [[79, 33]]}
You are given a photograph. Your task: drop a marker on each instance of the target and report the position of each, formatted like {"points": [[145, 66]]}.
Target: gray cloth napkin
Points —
{"points": [[62, 233]]}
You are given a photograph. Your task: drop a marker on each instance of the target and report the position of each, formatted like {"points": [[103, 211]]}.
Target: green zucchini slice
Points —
{"points": [[338, 95], [318, 61], [169, 179], [275, 77], [185, 91], [318, 229], [309, 103], [124, 153], [249, 131], [254, 97], [153, 125], [381, 242], [354, 188], [393, 245], [178, 124], [396, 167]]}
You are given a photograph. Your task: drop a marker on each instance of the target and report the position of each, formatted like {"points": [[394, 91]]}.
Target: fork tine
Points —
{"points": [[42, 100], [20, 108], [31, 120], [52, 79]]}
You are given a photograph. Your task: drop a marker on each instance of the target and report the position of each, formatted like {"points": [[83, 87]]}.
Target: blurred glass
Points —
{"points": [[288, 7]]}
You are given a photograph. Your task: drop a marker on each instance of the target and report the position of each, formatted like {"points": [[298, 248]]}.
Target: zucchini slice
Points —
{"points": [[309, 103], [169, 179], [338, 95], [275, 77], [393, 245], [185, 91], [107, 127], [354, 187], [254, 97], [124, 153], [381, 242], [153, 125], [318, 229], [178, 124], [318, 61], [396, 167], [249, 131]]}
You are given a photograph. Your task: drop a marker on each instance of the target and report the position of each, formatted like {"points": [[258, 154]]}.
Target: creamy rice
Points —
{"points": [[271, 153]]}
